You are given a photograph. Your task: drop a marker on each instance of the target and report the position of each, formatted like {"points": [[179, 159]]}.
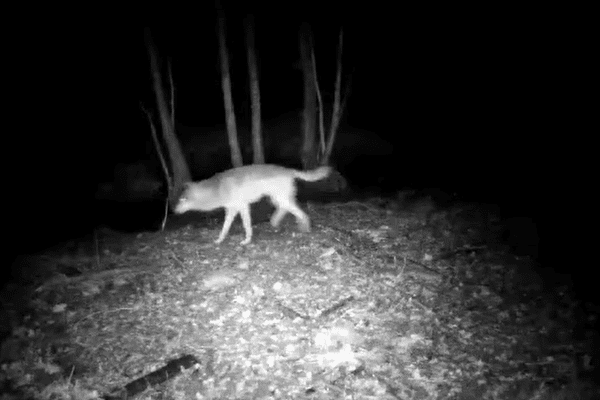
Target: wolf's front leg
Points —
{"points": [[247, 222], [229, 216]]}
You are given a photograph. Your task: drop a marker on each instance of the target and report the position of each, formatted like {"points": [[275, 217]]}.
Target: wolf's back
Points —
{"points": [[314, 175]]}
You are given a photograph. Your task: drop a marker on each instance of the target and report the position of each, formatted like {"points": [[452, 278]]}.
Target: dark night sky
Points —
{"points": [[477, 94]]}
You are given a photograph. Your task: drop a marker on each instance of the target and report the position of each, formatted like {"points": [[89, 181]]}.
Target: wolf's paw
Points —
{"points": [[275, 222], [304, 227], [246, 241]]}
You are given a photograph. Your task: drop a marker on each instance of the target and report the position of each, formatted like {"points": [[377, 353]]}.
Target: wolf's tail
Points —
{"points": [[314, 175]]}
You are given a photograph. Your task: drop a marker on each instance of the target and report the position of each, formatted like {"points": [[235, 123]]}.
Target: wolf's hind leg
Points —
{"points": [[301, 217], [278, 216]]}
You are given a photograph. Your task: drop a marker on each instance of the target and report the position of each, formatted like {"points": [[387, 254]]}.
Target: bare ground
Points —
{"points": [[374, 303]]}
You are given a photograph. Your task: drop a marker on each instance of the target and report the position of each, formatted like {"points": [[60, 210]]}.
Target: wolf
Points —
{"points": [[237, 188]]}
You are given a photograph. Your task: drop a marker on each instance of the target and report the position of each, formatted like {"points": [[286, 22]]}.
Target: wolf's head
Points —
{"points": [[199, 196]]}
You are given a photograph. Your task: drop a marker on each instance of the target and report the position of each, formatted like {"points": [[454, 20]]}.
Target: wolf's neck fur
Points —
{"points": [[212, 201]]}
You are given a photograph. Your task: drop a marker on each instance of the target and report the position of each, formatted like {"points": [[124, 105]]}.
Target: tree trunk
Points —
{"points": [[309, 115], [236, 155], [337, 107], [180, 169], [257, 141]]}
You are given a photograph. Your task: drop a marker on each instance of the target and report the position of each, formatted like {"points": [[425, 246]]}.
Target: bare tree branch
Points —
{"points": [[172, 94], [322, 147]]}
